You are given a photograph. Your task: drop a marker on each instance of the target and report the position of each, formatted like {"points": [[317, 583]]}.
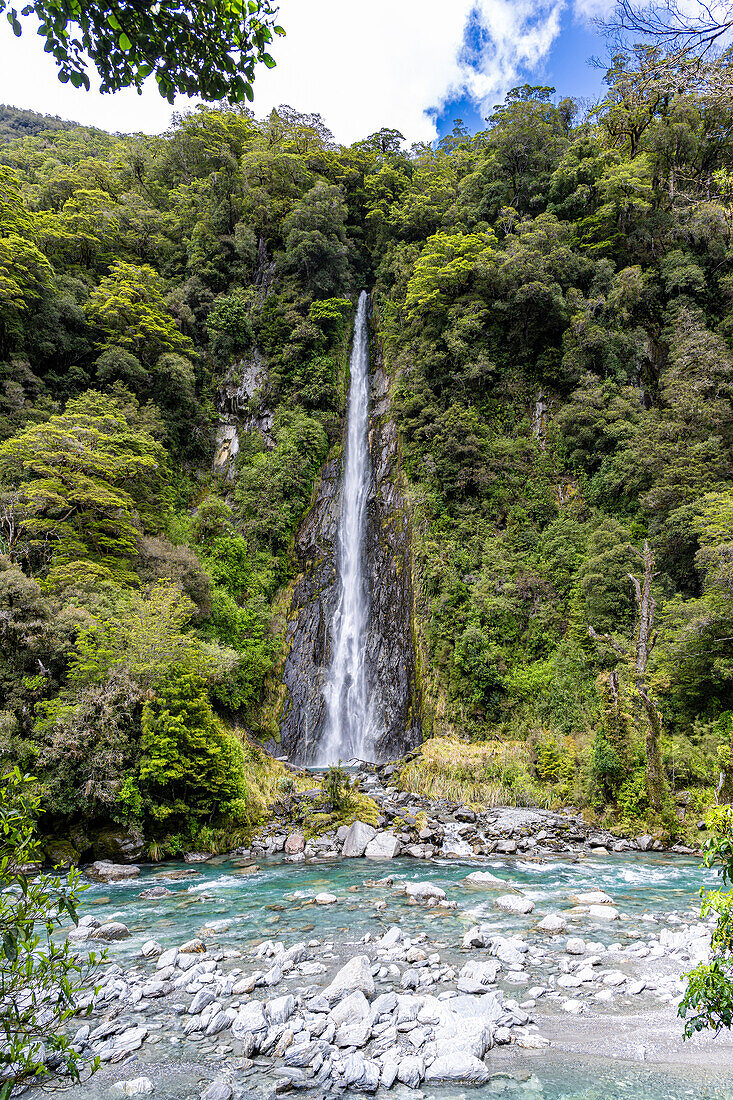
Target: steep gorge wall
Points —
{"points": [[390, 657]]}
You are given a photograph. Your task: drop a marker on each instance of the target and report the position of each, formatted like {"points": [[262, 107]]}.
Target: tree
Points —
{"points": [[41, 980], [692, 28], [207, 50], [190, 768], [25, 273], [83, 478], [128, 307]]}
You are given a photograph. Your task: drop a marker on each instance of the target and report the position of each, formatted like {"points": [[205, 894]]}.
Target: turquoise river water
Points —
{"points": [[236, 909]]}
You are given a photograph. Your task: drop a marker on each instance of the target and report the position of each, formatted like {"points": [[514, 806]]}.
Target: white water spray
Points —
{"points": [[347, 731]]}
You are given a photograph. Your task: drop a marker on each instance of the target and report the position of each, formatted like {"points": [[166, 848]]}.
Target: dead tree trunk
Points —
{"points": [[646, 637]]}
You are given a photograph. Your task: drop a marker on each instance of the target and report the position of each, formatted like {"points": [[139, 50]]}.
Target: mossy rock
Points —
{"points": [[60, 852]]}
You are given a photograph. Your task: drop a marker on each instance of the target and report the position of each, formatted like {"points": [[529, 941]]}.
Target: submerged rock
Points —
{"points": [[421, 891], [136, 1086], [514, 903], [114, 930]]}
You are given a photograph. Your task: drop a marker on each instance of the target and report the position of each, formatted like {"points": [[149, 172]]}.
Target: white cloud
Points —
{"points": [[588, 10], [392, 63]]}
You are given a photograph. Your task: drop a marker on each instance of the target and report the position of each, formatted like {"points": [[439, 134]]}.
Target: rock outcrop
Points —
{"points": [[390, 658]]}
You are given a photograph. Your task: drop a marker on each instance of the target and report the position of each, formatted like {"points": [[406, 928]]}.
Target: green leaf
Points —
{"points": [[124, 42]]}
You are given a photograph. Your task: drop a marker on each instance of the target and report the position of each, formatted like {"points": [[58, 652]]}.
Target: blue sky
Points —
{"points": [[566, 67], [415, 65]]}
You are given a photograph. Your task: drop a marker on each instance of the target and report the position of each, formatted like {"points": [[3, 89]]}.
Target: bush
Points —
{"points": [[190, 768], [41, 977]]}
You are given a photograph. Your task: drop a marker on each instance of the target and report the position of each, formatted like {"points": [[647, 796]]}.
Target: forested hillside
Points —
{"points": [[554, 301]]}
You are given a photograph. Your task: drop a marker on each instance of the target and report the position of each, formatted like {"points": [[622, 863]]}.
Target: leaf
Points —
{"points": [[124, 42]]}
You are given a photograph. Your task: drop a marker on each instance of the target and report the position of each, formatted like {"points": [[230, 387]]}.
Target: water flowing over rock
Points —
{"points": [[329, 712]]}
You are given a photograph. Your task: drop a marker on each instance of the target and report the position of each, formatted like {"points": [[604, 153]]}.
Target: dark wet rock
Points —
{"points": [[120, 844], [61, 852], [155, 892], [113, 930], [390, 658], [103, 870]]}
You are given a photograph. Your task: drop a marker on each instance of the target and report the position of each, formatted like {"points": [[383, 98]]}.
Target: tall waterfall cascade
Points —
{"points": [[348, 729]]}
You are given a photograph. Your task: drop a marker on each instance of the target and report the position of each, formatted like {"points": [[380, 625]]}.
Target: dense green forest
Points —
{"points": [[554, 301]]}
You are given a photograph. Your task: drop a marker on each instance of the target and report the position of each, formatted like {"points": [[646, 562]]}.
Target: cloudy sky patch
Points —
{"points": [[408, 64]]}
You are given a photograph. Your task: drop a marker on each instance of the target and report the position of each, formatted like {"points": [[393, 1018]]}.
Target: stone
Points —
{"points": [[136, 1086], [103, 870], [353, 1009], [202, 1000], [151, 949], [360, 1073], [168, 958], [411, 1070], [645, 842], [603, 912], [356, 974], [514, 903], [458, 1066], [553, 923], [196, 857], [421, 891], [575, 946], [475, 976], [389, 1073], [250, 1018], [294, 844], [592, 897], [218, 1090], [302, 1053], [358, 837], [506, 847], [114, 930], [122, 844], [219, 1021], [155, 892], [192, 947], [325, 899], [61, 853], [281, 1009], [382, 846], [532, 1042], [483, 878], [477, 937], [391, 937]]}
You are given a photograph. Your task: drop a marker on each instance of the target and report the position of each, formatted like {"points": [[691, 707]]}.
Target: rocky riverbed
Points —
{"points": [[351, 963]]}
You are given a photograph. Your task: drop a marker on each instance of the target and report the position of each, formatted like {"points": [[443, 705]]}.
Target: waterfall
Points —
{"points": [[347, 732]]}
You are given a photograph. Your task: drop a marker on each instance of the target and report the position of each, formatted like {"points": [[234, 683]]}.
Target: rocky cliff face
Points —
{"points": [[390, 653]]}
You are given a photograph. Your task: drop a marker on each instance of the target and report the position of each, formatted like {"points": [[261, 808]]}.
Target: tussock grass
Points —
{"points": [[484, 774]]}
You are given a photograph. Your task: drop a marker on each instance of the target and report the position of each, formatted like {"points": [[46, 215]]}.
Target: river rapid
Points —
{"points": [[608, 1011]]}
